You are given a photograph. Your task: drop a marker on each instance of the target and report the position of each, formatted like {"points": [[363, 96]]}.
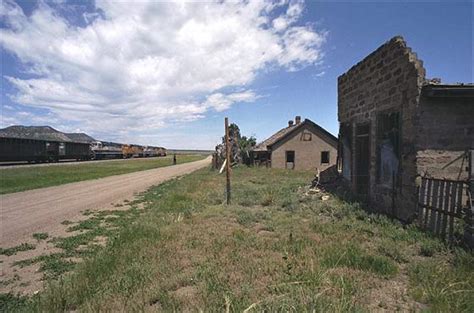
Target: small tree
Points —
{"points": [[240, 145]]}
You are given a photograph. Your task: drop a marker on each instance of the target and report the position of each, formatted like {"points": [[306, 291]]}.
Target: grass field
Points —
{"points": [[277, 248], [20, 179]]}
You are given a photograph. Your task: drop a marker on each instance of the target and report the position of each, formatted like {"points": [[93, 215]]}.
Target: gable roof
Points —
{"points": [[287, 131], [274, 138]]}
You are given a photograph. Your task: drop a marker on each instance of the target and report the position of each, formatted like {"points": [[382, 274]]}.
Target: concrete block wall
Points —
{"points": [[446, 131], [388, 80]]}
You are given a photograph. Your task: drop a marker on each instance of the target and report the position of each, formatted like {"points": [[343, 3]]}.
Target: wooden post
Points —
{"points": [[469, 217], [227, 157]]}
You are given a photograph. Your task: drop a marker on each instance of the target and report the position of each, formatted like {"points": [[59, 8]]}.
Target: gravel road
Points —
{"points": [[39, 210]]}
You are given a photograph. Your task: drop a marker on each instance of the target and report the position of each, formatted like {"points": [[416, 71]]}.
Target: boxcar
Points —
{"points": [[75, 150], [35, 150], [17, 149]]}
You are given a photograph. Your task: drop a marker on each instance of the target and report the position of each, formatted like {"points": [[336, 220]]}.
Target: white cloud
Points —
{"points": [[151, 63], [221, 102]]}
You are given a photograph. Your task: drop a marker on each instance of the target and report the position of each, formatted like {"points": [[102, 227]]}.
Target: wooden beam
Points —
{"points": [[227, 157]]}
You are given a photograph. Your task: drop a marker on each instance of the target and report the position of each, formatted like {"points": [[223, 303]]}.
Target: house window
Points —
{"points": [[324, 157], [306, 136], [290, 159]]}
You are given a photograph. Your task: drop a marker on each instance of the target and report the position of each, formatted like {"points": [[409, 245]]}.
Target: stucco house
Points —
{"points": [[302, 145]]}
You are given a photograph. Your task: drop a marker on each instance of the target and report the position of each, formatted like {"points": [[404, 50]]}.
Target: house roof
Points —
{"points": [[449, 90], [287, 131], [274, 138]]}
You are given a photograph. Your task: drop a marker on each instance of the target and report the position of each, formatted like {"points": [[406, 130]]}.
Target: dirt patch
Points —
{"points": [[28, 279], [262, 229], [390, 295], [185, 293]]}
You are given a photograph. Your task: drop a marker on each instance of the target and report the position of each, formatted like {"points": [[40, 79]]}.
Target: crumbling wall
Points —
{"points": [[388, 80], [446, 131]]}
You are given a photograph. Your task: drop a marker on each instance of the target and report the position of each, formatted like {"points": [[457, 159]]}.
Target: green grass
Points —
{"points": [[26, 178], [19, 248], [354, 257], [40, 236], [274, 249]]}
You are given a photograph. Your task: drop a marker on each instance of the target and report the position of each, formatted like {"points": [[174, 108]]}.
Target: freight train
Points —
{"points": [[36, 150]]}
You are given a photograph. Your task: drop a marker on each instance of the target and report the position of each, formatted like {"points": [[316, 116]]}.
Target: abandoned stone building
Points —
{"points": [[396, 126], [300, 146]]}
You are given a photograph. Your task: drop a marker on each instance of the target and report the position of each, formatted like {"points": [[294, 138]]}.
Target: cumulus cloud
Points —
{"points": [[151, 63]]}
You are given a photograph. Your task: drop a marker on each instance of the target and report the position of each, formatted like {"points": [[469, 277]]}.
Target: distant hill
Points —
{"points": [[34, 132], [189, 151], [43, 133], [80, 137]]}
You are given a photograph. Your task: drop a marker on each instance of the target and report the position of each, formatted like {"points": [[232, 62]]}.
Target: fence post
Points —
{"points": [[469, 217], [227, 156]]}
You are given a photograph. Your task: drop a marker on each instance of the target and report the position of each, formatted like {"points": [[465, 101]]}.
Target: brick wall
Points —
{"points": [[307, 153]]}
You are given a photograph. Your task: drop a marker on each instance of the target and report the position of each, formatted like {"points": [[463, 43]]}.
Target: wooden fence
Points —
{"points": [[441, 206]]}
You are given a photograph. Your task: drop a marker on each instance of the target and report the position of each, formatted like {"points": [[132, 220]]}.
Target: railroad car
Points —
{"points": [[35, 150]]}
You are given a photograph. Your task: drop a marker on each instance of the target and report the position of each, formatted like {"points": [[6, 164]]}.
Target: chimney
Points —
{"points": [[290, 123], [297, 119]]}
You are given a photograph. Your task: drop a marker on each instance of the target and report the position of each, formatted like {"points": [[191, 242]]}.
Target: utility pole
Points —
{"points": [[227, 157]]}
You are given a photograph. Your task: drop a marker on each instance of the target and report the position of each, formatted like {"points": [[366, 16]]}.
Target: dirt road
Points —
{"points": [[39, 210]]}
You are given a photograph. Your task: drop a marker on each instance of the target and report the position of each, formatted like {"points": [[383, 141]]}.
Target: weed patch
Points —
{"points": [[10, 302], [354, 257], [19, 248], [40, 236]]}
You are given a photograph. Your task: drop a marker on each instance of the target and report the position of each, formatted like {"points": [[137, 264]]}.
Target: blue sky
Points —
{"points": [[81, 66]]}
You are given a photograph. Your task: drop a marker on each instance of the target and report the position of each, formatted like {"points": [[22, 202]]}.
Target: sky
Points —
{"points": [[167, 73]]}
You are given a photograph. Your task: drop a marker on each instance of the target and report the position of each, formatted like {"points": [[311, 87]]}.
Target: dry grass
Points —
{"points": [[275, 249]]}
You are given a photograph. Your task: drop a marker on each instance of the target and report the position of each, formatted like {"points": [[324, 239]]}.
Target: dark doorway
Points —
{"points": [[362, 158], [290, 159]]}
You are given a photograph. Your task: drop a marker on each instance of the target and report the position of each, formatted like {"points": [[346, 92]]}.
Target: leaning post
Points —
{"points": [[227, 157]]}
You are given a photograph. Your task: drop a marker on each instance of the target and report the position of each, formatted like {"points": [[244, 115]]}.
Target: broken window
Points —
{"points": [[388, 147], [290, 159], [324, 157]]}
